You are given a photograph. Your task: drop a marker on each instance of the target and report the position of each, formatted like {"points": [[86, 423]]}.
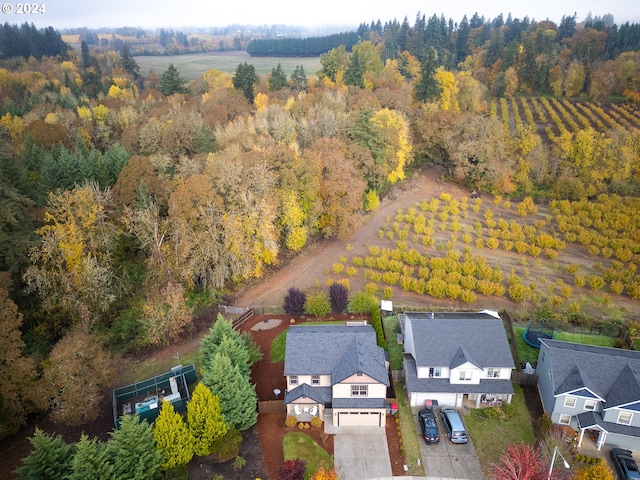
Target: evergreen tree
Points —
{"points": [[339, 296], [427, 87], [209, 344], [245, 78], [238, 398], [132, 450], [204, 419], [91, 460], [128, 63], [234, 348], [299, 79], [173, 438], [50, 458], [376, 323], [278, 78], [355, 71], [171, 82]]}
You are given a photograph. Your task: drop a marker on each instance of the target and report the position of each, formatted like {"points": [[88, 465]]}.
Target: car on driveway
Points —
{"points": [[453, 424], [428, 425], [625, 464]]}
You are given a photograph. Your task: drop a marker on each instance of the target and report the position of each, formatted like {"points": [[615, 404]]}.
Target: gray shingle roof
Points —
{"points": [[439, 340], [319, 394], [336, 350], [611, 373]]}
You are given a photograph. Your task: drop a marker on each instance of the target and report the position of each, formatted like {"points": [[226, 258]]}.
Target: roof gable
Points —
{"points": [[461, 358], [609, 373], [440, 339]]}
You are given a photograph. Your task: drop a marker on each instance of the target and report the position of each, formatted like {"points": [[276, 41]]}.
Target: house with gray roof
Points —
{"points": [[595, 390], [455, 356], [336, 372]]}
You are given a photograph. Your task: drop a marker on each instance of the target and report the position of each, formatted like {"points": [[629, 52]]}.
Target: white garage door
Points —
{"points": [[360, 419], [444, 399]]}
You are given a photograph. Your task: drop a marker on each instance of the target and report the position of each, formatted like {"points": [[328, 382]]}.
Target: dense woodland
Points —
{"points": [[128, 199]]}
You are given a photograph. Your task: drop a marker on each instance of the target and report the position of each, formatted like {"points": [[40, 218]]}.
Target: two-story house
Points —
{"points": [[336, 372], [453, 356], [595, 390]]}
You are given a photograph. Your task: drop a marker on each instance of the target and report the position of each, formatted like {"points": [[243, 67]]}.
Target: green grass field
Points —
{"points": [[302, 446], [193, 65]]}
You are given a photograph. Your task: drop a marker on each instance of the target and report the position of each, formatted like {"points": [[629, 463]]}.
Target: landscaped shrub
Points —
{"points": [[317, 303], [316, 422], [294, 301], [292, 470], [228, 446], [239, 463], [361, 302], [291, 421], [544, 424], [338, 297], [509, 409]]}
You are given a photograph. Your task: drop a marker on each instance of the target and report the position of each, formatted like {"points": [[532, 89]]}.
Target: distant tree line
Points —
{"points": [[300, 47], [27, 41]]}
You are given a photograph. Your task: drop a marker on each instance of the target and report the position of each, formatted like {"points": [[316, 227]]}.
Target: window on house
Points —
{"points": [[565, 419], [293, 379], [493, 373], [570, 402], [438, 372], [465, 375], [315, 379], [542, 357], [359, 390], [434, 372], [624, 418], [589, 404]]}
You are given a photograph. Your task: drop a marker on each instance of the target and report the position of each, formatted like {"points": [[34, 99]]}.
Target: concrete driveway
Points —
{"points": [[446, 459], [361, 453]]}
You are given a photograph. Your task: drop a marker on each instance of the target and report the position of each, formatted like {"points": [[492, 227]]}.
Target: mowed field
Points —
{"points": [[191, 66]]}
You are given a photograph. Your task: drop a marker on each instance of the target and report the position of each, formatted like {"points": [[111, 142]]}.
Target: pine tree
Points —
{"points": [[128, 63], [278, 78], [234, 348], [238, 398], [171, 82], [245, 78], [205, 421], [355, 71], [427, 87], [132, 450], [173, 438], [91, 460], [210, 343], [50, 458], [299, 79]]}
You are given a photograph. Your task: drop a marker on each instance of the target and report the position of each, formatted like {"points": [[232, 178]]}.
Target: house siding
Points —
{"points": [[375, 390], [545, 380], [612, 414]]}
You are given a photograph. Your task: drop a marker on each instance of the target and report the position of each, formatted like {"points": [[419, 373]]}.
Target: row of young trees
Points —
{"points": [[138, 450]]}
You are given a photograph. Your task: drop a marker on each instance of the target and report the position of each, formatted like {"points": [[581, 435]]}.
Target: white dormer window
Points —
{"points": [[570, 402], [315, 379], [624, 418], [493, 373], [465, 375], [359, 390], [590, 405], [293, 379]]}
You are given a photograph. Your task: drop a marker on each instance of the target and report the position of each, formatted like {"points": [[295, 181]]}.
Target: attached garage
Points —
{"points": [[359, 419]]}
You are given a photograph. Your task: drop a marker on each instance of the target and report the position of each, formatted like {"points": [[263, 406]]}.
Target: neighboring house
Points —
{"points": [[337, 371], [450, 356], [595, 390]]}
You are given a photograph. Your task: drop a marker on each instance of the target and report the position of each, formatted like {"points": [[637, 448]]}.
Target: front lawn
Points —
{"points": [[492, 436], [410, 438], [302, 446]]}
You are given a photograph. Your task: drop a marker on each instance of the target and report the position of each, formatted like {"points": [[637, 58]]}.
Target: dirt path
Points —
{"points": [[308, 269]]}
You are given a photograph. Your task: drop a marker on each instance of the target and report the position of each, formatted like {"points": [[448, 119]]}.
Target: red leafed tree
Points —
{"points": [[520, 462]]}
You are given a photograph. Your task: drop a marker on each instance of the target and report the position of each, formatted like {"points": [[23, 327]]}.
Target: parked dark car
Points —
{"points": [[453, 424], [428, 425], [625, 464]]}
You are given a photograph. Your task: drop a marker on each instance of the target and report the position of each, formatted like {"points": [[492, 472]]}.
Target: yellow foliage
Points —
{"points": [[215, 79], [5, 77], [68, 66], [14, 125], [115, 91], [51, 118], [290, 103], [399, 148], [261, 101], [84, 113], [100, 113], [448, 90]]}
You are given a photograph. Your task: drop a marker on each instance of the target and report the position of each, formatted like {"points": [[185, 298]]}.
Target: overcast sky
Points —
{"points": [[181, 13]]}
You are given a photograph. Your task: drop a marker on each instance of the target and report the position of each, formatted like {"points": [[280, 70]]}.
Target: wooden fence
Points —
{"points": [[272, 406], [242, 318], [522, 378]]}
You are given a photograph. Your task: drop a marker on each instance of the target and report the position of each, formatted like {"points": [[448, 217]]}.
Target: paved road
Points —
{"points": [[361, 453], [446, 459]]}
